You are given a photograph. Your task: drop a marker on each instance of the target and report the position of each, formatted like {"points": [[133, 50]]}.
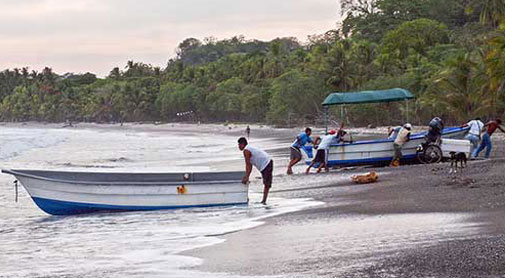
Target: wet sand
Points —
{"points": [[417, 221]]}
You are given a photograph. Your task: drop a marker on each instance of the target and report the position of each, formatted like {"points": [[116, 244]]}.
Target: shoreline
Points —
{"points": [[469, 241], [258, 130]]}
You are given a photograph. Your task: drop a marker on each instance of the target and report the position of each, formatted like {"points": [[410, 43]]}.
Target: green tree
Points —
{"points": [[492, 12], [178, 99], [418, 35], [495, 69], [459, 90], [226, 101], [296, 95]]}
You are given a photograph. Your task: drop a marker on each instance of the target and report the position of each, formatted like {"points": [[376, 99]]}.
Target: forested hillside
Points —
{"points": [[450, 54]]}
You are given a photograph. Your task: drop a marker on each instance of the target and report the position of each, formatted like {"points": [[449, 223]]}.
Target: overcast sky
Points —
{"points": [[98, 35]]}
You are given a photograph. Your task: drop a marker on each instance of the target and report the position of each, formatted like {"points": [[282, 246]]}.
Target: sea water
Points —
{"points": [[129, 244]]}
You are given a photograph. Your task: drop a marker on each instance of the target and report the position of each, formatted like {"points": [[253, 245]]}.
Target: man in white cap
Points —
{"points": [[402, 138]]}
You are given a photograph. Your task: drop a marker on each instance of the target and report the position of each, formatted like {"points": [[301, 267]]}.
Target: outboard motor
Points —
{"points": [[435, 128]]}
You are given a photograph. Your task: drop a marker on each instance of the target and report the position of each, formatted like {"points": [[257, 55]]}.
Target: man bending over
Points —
{"points": [[295, 149], [262, 161]]}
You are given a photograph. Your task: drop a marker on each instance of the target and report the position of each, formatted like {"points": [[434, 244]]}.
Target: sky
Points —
{"points": [[97, 35]]}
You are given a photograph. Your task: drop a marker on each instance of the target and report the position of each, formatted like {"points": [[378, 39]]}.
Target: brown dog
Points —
{"points": [[367, 178]]}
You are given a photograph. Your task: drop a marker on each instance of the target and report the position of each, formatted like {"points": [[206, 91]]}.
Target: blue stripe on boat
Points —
{"points": [[56, 207], [377, 160]]}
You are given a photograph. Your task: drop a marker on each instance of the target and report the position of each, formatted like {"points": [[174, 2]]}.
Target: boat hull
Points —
{"points": [[57, 207], [66, 193], [375, 152]]}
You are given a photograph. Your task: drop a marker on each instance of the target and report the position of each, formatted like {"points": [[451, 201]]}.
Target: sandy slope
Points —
{"points": [[418, 221]]}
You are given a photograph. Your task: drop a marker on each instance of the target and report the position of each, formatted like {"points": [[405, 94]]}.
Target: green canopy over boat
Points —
{"points": [[390, 95]]}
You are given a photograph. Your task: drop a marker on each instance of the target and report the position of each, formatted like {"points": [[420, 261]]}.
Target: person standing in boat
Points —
{"points": [[262, 161], [402, 138], [295, 149]]}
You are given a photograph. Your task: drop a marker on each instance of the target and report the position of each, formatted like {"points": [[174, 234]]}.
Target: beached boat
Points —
{"points": [[64, 193], [373, 151], [377, 151]]}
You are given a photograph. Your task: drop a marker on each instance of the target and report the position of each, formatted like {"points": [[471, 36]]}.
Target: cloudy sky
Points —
{"points": [[97, 35]]}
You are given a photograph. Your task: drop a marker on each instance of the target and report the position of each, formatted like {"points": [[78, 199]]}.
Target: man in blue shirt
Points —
{"points": [[295, 149]]}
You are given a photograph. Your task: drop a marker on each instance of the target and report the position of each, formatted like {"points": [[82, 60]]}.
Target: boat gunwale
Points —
{"points": [[150, 194], [124, 183]]}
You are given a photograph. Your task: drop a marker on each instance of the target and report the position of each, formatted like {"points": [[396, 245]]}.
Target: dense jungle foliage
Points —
{"points": [[450, 54]]}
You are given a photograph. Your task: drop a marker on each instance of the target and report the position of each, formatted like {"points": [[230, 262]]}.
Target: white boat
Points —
{"points": [[376, 151], [64, 193]]}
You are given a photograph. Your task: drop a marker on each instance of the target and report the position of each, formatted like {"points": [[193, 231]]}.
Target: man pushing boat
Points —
{"points": [[295, 149], [402, 138], [262, 161]]}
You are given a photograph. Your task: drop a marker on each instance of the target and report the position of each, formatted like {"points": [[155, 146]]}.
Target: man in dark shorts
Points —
{"points": [[295, 149], [262, 161], [323, 148], [489, 129]]}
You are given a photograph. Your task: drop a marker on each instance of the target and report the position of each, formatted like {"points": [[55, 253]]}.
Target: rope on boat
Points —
{"points": [[16, 187]]}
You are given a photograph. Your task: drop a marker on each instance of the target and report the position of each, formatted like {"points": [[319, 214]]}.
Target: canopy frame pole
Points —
{"points": [[325, 119], [342, 114], [407, 103]]}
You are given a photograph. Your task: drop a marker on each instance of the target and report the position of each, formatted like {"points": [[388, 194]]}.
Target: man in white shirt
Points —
{"points": [[322, 150], [475, 131], [262, 161], [402, 138]]}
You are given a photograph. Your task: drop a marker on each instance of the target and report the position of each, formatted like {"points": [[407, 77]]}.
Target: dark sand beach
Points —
{"points": [[417, 221]]}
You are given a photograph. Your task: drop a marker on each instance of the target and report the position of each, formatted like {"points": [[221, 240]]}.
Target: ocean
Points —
{"points": [[129, 244]]}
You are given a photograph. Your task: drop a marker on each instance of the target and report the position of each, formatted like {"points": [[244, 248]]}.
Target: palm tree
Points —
{"points": [[460, 88], [342, 76], [363, 55], [491, 11], [495, 65]]}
